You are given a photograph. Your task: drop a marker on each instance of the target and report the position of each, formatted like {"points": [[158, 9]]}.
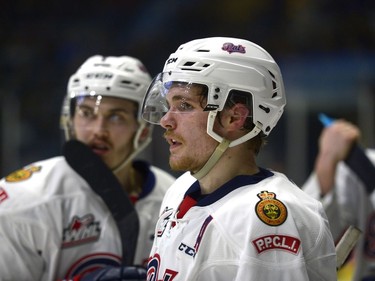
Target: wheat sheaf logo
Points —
{"points": [[270, 210]]}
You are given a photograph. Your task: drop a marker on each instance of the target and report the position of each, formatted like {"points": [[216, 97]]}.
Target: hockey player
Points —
{"points": [[217, 98], [53, 225], [344, 196]]}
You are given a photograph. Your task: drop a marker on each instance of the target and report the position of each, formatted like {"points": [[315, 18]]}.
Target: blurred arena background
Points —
{"points": [[326, 51]]}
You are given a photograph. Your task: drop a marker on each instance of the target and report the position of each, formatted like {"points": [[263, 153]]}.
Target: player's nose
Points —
{"points": [[168, 121]]}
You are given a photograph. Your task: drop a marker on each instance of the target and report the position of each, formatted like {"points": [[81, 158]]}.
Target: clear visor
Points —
{"points": [[167, 94]]}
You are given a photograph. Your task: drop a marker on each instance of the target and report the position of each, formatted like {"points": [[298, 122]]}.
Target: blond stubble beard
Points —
{"points": [[188, 163], [183, 165]]}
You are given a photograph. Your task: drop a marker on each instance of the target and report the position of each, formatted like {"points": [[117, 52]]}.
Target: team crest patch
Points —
{"points": [[22, 174], [270, 210]]}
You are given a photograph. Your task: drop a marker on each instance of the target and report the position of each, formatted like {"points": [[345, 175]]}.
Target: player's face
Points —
{"points": [[185, 124], [107, 125]]}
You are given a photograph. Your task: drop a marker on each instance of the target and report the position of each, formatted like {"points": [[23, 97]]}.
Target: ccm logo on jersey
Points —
{"points": [[187, 250], [279, 242]]}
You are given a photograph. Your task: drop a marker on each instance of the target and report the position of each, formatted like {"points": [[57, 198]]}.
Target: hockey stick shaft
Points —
{"points": [[346, 244], [105, 184]]}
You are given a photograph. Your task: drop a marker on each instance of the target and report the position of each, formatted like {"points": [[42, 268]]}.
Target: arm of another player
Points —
{"points": [[335, 143]]}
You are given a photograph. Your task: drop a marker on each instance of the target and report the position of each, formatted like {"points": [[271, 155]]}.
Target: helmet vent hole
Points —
{"points": [[108, 88], [265, 109], [274, 95], [194, 66], [128, 85], [268, 129], [203, 51], [191, 69], [189, 63], [86, 87], [273, 84], [273, 76]]}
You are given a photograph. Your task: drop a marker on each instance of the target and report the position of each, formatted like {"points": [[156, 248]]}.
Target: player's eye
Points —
{"points": [[117, 118], [184, 106], [85, 112], [181, 106]]}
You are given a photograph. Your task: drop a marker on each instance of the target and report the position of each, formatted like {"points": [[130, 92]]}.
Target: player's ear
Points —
{"points": [[145, 133], [237, 115]]}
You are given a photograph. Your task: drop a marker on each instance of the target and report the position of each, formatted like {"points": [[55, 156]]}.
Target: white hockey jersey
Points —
{"points": [[349, 204], [260, 227], [53, 226]]}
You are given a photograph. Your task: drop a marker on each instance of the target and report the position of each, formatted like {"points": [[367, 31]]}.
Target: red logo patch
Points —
{"points": [[3, 195], [280, 242], [81, 230]]}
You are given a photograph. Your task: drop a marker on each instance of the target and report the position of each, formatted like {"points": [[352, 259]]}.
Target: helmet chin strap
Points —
{"points": [[219, 151], [223, 145], [137, 149]]}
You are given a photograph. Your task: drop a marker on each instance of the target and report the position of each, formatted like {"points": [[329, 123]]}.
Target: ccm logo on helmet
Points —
{"points": [[99, 75], [279, 242], [171, 60]]}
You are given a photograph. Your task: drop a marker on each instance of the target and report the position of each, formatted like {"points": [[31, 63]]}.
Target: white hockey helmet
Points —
{"points": [[120, 77], [223, 64]]}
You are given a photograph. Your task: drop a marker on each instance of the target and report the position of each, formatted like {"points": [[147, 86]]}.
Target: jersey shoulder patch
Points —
{"points": [[22, 174], [270, 210]]}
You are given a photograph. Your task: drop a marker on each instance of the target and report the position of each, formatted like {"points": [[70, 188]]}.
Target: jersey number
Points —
{"points": [[153, 270]]}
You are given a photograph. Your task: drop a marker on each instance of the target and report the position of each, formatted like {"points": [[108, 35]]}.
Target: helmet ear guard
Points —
{"points": [[216, 97]]}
